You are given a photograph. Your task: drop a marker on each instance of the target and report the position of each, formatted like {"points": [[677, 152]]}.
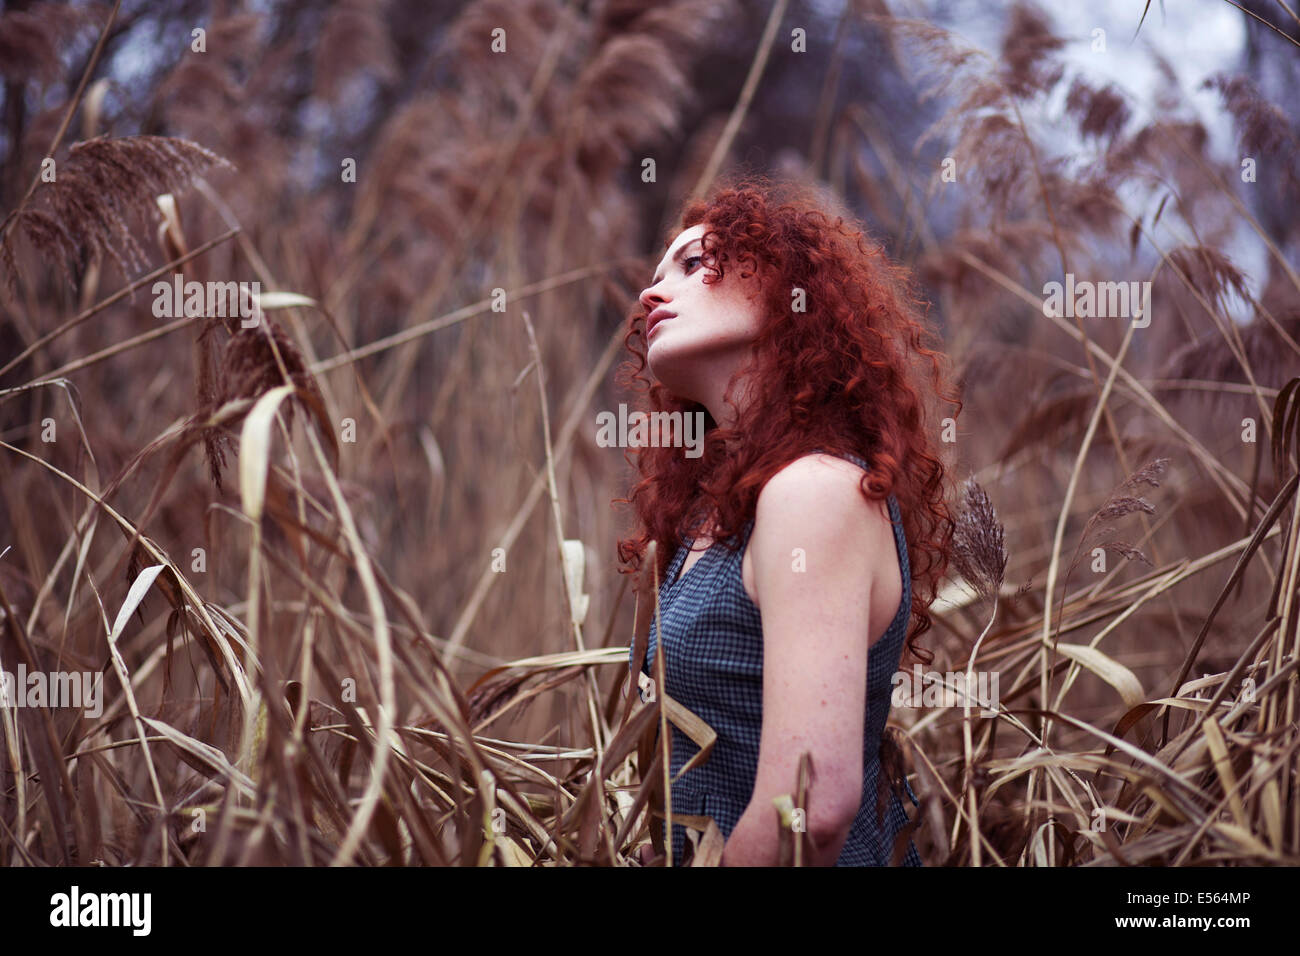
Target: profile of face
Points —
{"points": [[699, 333]]}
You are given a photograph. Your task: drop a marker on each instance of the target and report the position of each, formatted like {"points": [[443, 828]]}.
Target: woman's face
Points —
{"points": [[698, 334]]}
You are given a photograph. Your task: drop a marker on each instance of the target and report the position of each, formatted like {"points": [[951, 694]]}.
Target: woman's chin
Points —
{"points": [[660, 361]]}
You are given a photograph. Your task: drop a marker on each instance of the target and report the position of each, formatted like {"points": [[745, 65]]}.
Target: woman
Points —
{"points": [[787, 580]]}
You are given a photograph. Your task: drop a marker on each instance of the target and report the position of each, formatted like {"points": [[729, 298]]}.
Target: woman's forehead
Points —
{"points": [[686, 235]]}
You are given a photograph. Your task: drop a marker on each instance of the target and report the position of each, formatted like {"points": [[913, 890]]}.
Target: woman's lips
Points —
{"points": [[657, 318], [655, 328]]}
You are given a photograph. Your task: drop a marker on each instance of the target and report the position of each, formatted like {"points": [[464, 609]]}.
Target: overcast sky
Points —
{"points": [[1196, 37]]}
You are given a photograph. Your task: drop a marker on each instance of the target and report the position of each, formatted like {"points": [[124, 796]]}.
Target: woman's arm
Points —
{"points": [[815, 548]]}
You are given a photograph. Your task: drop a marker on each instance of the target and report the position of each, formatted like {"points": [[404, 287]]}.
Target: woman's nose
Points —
{"points": [[651, 299]]}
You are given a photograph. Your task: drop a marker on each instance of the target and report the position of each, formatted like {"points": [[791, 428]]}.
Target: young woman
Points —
{"points": [[797, 548]]}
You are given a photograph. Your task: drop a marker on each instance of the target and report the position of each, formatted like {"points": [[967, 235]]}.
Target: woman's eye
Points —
{"points": [[686, 263]]}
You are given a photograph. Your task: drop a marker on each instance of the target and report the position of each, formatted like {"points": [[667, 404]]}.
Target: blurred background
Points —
{"points": [[425, 175]]}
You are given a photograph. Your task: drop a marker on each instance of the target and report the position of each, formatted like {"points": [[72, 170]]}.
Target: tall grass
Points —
{"points": [[349, 573]]}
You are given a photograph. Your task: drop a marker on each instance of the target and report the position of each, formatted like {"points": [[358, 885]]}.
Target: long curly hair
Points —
{"points": [[844, 375]]}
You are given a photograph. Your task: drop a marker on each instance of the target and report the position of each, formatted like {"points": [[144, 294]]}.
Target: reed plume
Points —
{"points": [[102, 184]]}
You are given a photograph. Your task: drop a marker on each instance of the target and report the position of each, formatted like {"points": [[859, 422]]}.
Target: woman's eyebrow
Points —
{"points": [[677, 257]]}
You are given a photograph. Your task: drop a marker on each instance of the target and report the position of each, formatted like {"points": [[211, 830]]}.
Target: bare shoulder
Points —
{"points": [[815, 503], [812, 516], [821, 490]]}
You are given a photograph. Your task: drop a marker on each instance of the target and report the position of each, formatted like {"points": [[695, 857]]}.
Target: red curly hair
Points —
{"points": [[844, 376]]}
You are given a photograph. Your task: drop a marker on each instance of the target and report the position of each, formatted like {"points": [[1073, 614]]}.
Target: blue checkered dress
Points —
{"points": [[713, 658]]}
